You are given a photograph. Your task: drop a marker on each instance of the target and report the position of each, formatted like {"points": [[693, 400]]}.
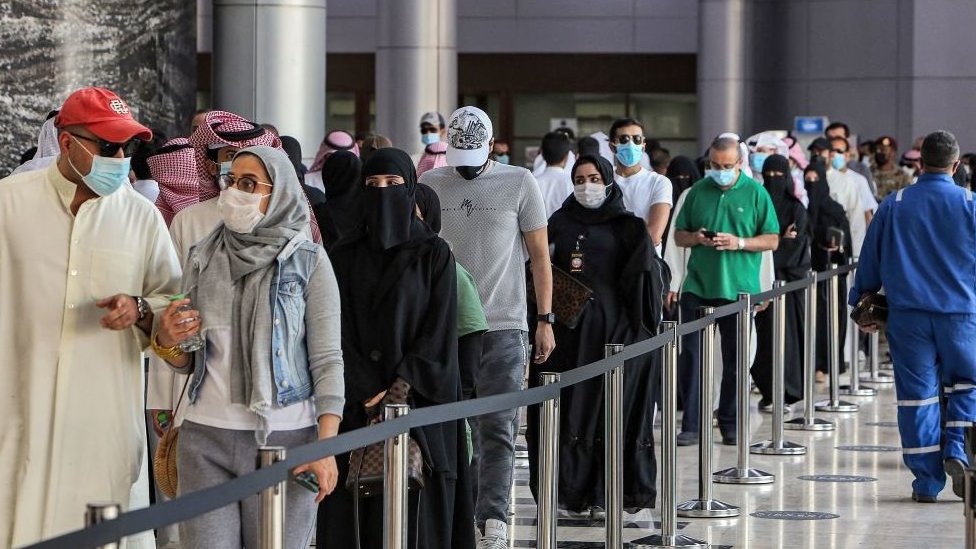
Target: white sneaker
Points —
{"points": [[496, 535], [598, 513]]}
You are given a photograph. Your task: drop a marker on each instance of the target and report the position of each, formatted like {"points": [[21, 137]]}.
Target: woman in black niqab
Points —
{"points": [[791, 261], [607, 248], [340, 218], [397, 284], [683, 174]]}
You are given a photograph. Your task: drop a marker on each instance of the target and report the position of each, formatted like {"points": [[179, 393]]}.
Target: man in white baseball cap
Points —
{"points": [[492, 214]]}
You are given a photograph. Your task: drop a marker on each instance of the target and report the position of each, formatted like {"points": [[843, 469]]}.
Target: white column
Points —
{"points": [[416, 66], [269, 64], [721, 65]]}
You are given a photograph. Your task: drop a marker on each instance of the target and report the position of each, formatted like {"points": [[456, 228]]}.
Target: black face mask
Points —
{"points": [[389, 213], [470, 172], [880, 159]]}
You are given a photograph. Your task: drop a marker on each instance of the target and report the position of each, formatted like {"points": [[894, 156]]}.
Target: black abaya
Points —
{"points": [[619, 264], [791, 262]]}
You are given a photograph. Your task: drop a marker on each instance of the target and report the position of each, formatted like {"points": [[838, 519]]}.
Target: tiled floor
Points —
{"points": [[870, 514]]}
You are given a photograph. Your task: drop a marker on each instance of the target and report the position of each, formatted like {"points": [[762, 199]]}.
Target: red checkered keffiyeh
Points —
{"points": [[174, 167], [230, 130], [435, 156]]}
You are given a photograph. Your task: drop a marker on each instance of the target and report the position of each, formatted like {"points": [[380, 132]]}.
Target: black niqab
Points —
{"points": [[341, 217], [612, 207], [780, 189], [683, 174], [390, 212]]}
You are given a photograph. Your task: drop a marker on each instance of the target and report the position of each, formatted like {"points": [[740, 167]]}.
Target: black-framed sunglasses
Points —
{"points": [[623, 139], [108, 148]]}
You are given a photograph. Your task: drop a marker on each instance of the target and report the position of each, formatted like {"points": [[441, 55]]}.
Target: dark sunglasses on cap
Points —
{"points": [[623, 139], [109, 149]]}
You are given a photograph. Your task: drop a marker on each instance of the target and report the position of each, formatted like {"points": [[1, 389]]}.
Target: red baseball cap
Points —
{"points": [[103, 113]]}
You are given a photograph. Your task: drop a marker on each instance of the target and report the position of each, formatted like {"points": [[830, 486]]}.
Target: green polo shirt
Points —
{"points": [[744, 210]]}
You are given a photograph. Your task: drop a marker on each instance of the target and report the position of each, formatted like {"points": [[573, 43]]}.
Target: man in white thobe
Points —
{"points": [[83, 262]]}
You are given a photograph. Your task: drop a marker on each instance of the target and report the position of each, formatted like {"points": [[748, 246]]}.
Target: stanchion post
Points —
{"points": [[742, 473], [271, 503], [669, 536], [776, 445], [98, 512], [809, 421], [875, 375], [834, 403], [705, 506], [853, 337], [548, 467], [613, 436], [395, 477]]}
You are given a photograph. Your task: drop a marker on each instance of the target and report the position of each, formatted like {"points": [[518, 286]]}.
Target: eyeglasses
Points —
{"points": [[243, 183], [623, 139], [109, 149]]}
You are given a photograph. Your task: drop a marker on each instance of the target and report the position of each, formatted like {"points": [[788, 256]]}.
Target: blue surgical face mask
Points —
{"points": [[838, 161], [429, 138], [225, 168], [502, 159], [758, 159], [722, 178], [629, 154], [107, 174]]}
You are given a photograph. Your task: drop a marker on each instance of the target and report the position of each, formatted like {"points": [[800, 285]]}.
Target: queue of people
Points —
{"points": [[282, 305]]}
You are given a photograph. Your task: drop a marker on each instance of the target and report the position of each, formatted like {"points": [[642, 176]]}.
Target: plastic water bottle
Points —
{"points": [[194, 342]]}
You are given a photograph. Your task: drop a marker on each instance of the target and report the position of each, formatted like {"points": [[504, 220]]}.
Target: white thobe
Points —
{"points": [[556, 185], [72, 421], [844, 191]]}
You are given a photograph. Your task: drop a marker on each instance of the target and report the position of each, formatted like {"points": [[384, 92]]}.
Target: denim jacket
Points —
{"points": [[289, 352]]}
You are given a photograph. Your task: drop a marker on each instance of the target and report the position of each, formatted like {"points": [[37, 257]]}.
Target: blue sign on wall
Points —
{"points": [[810, 124]]}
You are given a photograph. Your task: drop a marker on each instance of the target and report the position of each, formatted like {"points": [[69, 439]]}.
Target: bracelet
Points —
{"points": [[165, 353]]}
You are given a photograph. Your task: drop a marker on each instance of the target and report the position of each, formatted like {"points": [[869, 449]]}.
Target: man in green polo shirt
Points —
{"points": [[727, 220]]}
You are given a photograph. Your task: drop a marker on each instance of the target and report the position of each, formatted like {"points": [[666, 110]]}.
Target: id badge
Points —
{"points": [[576, 262]]}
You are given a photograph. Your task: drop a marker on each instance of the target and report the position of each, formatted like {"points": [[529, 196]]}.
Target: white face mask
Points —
{"points": [[590, 195], [240, 210]]}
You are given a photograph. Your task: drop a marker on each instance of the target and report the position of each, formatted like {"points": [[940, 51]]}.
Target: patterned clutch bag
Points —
{"points": [[570, 297]]}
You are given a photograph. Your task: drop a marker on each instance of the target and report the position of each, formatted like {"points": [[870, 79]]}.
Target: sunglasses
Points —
{"points": [[623, 139], [109, 149], [243, 183]]}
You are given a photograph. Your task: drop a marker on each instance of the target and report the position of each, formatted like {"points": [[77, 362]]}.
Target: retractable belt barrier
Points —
{"points": [[203, 501]]}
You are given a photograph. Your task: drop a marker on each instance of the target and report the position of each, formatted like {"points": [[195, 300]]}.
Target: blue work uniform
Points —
{"points": [[921, 248]]}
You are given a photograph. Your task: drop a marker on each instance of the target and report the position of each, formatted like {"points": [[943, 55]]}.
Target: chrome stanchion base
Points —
{"points": [[712, 508], [839, 406], [880, 378], [886, 366], [657, 541], [816, 424], [846, 390], [734, 475], [784, 448]]}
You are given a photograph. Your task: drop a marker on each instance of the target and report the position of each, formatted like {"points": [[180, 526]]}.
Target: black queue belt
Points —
{"points": [[203, 501]]}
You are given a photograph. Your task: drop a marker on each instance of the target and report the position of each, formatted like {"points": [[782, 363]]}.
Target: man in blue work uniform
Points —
{"points": [[921, 248]]}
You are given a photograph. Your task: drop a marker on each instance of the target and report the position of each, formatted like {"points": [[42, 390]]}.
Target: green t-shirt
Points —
{"points": [[471, 315], [744, 210]]}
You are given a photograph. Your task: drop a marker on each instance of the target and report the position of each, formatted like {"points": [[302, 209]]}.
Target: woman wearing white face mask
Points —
{"points": [[605, 247], [271, 370]]}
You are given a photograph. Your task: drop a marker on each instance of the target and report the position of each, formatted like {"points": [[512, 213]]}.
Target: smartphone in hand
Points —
{"points": [[709, 234], [307, 481]]}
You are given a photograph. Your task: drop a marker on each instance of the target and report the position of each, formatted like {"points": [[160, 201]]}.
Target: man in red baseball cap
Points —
{"points": [[86, 261]]}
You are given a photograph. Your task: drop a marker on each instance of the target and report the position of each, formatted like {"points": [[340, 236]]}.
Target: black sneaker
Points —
{"points": [[954, 468], [687, 439], [918, 498], [729, 440]]}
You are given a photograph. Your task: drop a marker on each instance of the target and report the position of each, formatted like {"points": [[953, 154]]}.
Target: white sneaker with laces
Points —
{"points": [[496, 535]]}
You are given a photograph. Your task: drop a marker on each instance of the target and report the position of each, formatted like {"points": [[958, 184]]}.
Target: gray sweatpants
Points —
{"points": [[208, 456]]}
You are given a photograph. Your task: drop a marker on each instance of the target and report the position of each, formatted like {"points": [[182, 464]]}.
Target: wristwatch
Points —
{"points": [[549, 318], [742, 243], [143, 307]]}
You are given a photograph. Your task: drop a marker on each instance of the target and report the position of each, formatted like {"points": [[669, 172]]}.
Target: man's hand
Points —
{"points": [[325, 472], [158, 427], [670, 300], [726, 242], [545, 342], [869, 329], [122, 314], [790, 231]]}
